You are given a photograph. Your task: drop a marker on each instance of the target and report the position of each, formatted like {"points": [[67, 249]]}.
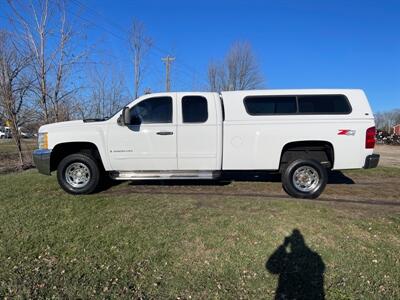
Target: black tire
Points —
{"points": [[81, 160], [293, 185]]}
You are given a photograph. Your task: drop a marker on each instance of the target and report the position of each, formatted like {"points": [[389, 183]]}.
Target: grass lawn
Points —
{"points": [[9, 158], [8, 145], [129, 245]]}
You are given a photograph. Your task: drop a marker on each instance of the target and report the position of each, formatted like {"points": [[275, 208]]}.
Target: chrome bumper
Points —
{"points": [[41, 158]]}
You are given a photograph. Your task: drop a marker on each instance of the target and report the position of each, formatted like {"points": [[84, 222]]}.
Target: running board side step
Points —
{"points": [[163, 175]]}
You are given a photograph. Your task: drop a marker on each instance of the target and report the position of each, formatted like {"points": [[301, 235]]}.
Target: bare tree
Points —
{"points": [[140, 44], [239, 71], [386, 120], [108, 93], [36, 35], [379, 121], [14, 86], [213, 79], [49, 37], [64, 66]]}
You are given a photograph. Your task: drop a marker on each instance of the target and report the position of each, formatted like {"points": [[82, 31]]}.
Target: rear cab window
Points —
{"points": [[194, 109]]}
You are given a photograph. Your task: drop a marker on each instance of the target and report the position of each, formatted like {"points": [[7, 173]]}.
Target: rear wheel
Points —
{"points": [[78, 174], [304, 178]]}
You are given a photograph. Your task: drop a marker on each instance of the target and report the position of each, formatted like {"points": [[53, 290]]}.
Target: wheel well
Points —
{"points": [[321, 151], [64, 149]]}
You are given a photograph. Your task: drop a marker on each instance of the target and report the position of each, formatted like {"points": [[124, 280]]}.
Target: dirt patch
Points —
{"points": [[362, 189], [379, 202], [390, 155], [9, 162]]}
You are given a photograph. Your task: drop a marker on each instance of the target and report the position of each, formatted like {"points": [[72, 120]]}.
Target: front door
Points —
{"points": [[149, 143]]}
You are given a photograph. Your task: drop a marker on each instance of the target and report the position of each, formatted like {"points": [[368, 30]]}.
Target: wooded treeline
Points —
{"points": [[386, 120]]}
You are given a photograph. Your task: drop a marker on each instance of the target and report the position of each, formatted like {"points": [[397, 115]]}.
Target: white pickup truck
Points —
{"points": [[195, 135]]}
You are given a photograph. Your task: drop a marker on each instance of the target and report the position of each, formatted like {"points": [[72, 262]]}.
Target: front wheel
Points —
{"points": [[304, 178], [78, 174]]}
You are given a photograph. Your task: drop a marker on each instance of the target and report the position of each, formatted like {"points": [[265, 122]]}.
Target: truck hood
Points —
{"points": [[55, 126]]}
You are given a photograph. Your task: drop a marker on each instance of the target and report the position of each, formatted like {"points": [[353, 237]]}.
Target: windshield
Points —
{"points": [[118, 110], [90, 119]]}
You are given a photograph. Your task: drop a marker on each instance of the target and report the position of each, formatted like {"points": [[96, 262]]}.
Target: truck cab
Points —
{"points": [[174, 131]]}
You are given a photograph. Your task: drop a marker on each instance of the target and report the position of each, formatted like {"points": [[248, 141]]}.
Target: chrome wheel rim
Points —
{"points": [[77, 175], [306, 179]]}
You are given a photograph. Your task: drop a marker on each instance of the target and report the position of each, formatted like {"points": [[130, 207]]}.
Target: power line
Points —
{"points": [[190, 70]]}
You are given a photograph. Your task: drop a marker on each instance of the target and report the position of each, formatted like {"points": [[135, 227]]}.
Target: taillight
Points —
{"points": [[370, 138]]}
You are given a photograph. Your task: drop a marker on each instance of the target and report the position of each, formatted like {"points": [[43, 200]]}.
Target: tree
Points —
{"points": [[15, 85], [386, 120], [64, 66], [239, 71], [49, 37], [140, 44], [108, 93]]}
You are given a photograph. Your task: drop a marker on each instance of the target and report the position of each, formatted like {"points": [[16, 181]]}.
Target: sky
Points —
{"points": [[299, 44]]}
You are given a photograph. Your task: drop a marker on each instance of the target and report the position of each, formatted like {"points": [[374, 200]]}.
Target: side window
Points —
{"points": [[153, 110], [324, 104], [194, 109], [268, 105]]}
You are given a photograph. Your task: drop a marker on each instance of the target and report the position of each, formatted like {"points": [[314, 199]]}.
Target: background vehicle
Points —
{"points": [[299, 133], [5, 132]]}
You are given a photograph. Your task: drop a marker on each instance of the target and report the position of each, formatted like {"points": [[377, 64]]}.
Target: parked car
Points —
{"points": [[299, 133], [26, 135], [5, 132]]}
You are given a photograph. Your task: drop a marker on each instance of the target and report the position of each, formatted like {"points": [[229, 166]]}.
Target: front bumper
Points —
{"points": [[41, 158], [371, 161]]}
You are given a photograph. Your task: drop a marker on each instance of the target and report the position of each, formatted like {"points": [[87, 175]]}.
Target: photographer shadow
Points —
{"points": [[300, 270]]}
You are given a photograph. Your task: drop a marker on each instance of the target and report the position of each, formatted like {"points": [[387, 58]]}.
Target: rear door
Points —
{"points": [[199, 132]]}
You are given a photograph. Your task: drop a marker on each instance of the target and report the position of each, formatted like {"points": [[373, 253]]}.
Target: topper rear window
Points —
{"points": [[268, 105], [323, 104], [297, 104]]}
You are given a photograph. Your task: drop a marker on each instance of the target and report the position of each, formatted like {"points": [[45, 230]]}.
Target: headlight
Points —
{"points": [[43, 142]]}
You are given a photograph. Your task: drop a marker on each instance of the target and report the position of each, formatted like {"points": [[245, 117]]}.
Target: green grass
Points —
{"points": [[167, 246], [8, 145], [376, 172]]}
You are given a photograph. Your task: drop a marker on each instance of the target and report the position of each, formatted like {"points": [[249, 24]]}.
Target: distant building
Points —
{"points": [[396, 129]]}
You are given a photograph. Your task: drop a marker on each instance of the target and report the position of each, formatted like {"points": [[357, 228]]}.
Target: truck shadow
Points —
{"points": [[335, 177], [300, 269]]}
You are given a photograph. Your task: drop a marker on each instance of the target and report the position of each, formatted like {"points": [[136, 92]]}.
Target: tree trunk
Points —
{"points": [[17, 139]]}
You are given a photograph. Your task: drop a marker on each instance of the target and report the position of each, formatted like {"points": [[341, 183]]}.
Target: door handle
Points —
{"points": [[165, 133]]}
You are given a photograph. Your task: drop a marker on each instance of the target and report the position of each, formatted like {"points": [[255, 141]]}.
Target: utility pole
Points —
{"points": [[167, 61]]}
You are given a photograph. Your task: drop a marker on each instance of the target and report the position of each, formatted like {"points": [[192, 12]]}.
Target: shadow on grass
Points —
{"points": [[300, 270], [335, 177], [226, 179], [107, 183]]}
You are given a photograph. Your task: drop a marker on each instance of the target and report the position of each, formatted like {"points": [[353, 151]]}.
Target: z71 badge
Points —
{"points": [[346, 132]]}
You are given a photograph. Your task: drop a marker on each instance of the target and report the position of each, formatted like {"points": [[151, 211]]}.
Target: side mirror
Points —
{"points": [[126, 116]]}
